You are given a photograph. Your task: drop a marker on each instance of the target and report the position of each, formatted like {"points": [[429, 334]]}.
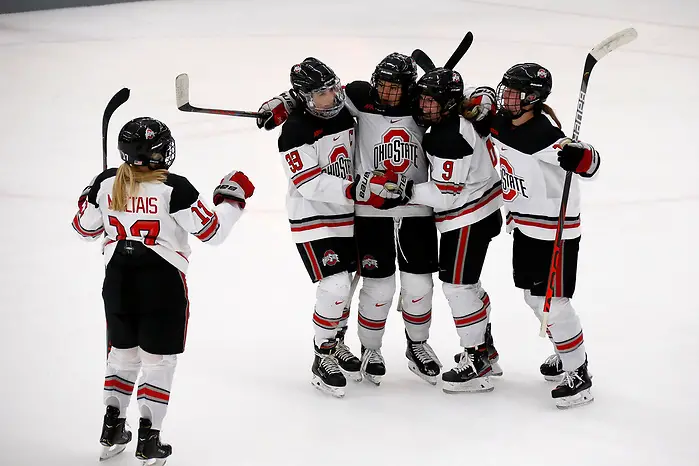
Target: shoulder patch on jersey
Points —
{"points": [[95, 188], [446, 141], [534, 136], [183, 195], [302, 128]]}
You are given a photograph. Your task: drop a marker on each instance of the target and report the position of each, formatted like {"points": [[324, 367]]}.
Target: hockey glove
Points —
{"points": [[276, 110], [479, 105], [399, 185], [234, 188], [578, 157], [375, 189]]}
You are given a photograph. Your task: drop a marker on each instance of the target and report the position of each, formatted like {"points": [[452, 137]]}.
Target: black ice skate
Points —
{"points": [[348, 362], [574, 389], [552, 368], [149, 449], [327, 375], [373, 366], [471, 374], [115, 434], [422, 360], [493, 356]]}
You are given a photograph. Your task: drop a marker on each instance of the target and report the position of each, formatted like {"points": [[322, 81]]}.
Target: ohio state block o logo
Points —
{"points": [[391, 135], [508, 191]]}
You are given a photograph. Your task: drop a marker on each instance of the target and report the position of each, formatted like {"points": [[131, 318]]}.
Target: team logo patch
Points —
{"points": [[330, 258], [455, 77], [149, 133], [542, 73], [512, 185], [296, 69], [369, 263], [397, 151]]}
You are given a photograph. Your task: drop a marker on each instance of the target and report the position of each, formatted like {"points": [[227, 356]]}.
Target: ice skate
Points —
{"points": [[373, 366], [552, 368], [471, 373], [149, 449], [493, 356], [422, 360], [574, 389], [327, 374], [115, 434], [348, 362]]}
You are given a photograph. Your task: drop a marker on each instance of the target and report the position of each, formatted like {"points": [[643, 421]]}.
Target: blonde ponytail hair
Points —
{"points": [[549, 111], [127, 181]]}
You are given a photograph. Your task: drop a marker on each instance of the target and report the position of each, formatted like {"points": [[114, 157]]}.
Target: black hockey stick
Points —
{"points": [[182, 95], [426, 63], [116, 102], [596, 54]]}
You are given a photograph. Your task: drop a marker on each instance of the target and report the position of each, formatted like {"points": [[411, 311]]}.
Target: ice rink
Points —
{"points": [[241, 394]]}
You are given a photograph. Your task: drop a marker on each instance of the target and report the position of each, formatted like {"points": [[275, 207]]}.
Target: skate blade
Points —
{"points": [[430, 379], [355, 376], [111, 452], [581, 399], [337, 392], [477, 385], [154, 462], [496, 370], [375, 379]]}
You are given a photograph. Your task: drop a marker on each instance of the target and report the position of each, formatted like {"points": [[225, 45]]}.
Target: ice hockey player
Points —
{"points": [[534, 157], [388, 139], [317, 146], [464, 190], [145, 213]]}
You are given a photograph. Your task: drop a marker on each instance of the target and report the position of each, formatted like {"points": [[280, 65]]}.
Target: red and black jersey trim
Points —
{"points": [[449, 188], [321, 221], [83, 231], [305, 176], [209, 230], [541, 221], [470, 206]]}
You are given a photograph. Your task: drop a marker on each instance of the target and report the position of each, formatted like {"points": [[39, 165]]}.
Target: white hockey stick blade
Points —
{"points": [[182, 90], [613, 42]]}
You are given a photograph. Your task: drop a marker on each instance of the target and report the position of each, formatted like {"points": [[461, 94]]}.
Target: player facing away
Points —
{"points": [[534, 157], [145, 214], [317, 146], [465, 191]]}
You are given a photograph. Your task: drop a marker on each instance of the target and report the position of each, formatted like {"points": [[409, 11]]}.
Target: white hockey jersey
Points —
{"points": [[464, 186], [532, 179], [317, 156], [161, 216], [387, 139]]}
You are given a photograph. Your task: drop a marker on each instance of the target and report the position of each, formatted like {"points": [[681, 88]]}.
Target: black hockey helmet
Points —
{"points": [[147, 142], [446, 87], [533, 82], [312, 76], [395, 68]]}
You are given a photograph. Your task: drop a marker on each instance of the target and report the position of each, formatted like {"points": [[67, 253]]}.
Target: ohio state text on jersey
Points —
{"points": [[532, 179], [317, 156], [464, 186], [161, 216], [390, 139]]}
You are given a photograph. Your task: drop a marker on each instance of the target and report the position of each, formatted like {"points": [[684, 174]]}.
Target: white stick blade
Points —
{"points": [[182, 89], [613, 42]]}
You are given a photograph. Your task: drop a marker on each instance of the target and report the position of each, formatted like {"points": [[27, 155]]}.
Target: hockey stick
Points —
{"points": [[426, 63], [182, 95], [116, 101], [596, 54]]}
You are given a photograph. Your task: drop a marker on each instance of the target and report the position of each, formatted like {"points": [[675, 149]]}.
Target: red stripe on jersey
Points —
{"points": [[83, 231], [543, 225], [449, 188], [313, 226], [480, 204], [208, 232], [305, 176]]}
